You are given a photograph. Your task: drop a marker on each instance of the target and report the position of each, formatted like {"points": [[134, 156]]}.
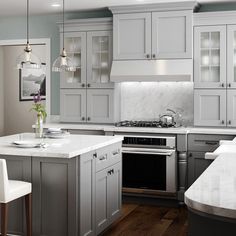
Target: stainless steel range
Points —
{"points": [[149, 165], [145, 123]]}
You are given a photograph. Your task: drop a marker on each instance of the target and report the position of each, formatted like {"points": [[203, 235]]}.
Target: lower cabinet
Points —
{"points": [[108, 196], [197, 164], [100, 188]]}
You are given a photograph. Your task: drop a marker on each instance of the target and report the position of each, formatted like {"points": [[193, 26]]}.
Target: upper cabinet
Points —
{"points": [[153, 31], [210, 57]]}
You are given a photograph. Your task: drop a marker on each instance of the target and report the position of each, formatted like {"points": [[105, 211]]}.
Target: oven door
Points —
{"points": [[149, 170]]}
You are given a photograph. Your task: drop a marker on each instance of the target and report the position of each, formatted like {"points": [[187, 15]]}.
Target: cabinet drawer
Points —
{"points": [[205, 143], [108, 156]]}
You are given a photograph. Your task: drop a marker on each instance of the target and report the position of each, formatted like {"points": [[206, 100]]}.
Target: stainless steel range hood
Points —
{"points": [[152, 70]]}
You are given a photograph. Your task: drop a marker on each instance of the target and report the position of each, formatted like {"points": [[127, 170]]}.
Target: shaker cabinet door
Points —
{"points": [[100, 105], [172, 34], [231, 107], [114, 192], [132, 36], [210, 57], [99, 58], [73, 105], [210, 107], [75, 45]]}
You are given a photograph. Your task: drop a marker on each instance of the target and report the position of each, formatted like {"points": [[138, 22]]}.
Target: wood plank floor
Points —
{"points": [[145, 220]]}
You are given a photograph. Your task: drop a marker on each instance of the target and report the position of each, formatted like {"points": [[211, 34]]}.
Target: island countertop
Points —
{"points": [[214, 192], [73, 145]]}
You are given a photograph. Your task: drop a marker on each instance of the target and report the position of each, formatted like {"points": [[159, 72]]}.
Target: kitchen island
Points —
{"points": [[76, 183], [211, 199]]}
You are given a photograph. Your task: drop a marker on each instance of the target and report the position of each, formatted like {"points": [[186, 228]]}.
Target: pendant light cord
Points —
{"points": [[63, 25], [27, 22]]}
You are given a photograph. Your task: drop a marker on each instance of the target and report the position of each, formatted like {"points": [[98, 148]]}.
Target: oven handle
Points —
{"points": [[148, 151]]}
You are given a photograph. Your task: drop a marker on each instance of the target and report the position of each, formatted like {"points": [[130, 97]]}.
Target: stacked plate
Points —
{"points": [[27, 144], [56, 133]]}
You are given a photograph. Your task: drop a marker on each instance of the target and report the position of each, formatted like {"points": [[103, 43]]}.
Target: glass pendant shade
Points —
{"points": [[63, 63], [28, 60]]}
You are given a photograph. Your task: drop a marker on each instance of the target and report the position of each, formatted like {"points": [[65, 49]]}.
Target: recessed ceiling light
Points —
{"points": [[55, 4]]}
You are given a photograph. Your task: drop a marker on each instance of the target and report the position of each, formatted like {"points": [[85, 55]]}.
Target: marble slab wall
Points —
{"points": [[147, 100]]}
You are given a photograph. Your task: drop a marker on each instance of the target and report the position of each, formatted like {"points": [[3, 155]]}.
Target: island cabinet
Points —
{"points": [[71, 196], [100, 180], [153, 31], [87, 95]]}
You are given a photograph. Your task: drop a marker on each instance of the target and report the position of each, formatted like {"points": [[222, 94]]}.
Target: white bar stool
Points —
{"points": [[11, 190]]}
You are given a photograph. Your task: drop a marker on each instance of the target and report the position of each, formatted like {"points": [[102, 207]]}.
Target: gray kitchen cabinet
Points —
{"points": [[172, 34], [108, 196], [87, 105], [19, 168], [132, 36], [231, 107], [100, 105], [89, 44], [198, 145], [197, 164], [152, 31], [72, 105], [75, 45], [210, 107], [100, 184], [210, 56], [54, 196]]}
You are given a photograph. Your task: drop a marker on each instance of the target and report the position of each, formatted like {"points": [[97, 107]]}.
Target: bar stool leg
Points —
{"points": [[4, 218], [28, 209]]}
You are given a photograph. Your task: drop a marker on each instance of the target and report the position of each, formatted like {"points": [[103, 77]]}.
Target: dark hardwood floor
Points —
{"points": [[145, 220]]}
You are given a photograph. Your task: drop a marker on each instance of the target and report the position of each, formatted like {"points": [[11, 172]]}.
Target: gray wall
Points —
{"points": [[17, 117], [1, 94]]}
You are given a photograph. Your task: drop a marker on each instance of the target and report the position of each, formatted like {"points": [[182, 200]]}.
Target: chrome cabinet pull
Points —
{"points": [[154, 56], [147, 56], [83, 118], [229, 85], [88, 118], [229, 122], [82, 85], [103, 158], [222, 85], [222, 122], [88, 85], [95, 155], [116, 152]]}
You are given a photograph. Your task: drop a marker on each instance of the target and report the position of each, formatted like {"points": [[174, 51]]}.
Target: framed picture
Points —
{"points": [[31, 81]]}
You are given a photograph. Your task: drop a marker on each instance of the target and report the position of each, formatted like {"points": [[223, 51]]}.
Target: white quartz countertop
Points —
{"points": [[214, 192], [72, 146], [112, 128]]}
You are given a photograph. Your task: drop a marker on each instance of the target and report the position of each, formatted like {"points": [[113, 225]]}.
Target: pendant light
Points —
{"points": [[27, 59], [63, 62]]}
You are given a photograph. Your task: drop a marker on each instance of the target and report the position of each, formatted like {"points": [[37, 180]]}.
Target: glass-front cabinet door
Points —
{"points": [[75, 45], [231, 56], [99, 58], [210, 57]]}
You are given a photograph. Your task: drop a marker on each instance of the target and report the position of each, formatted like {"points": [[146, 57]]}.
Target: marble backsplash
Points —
{"points": [[147, 100]]}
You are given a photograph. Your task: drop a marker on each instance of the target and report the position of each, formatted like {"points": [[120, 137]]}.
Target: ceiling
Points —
{"points": [[17, 7]]}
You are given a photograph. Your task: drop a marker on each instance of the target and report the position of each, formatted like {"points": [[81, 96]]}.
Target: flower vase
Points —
{"points": [[39, 126]]}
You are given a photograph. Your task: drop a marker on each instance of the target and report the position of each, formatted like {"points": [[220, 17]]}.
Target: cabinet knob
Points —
{"points": [[95, 155], [147, 56], [229, 122], [88, 118], [222, 85], [154, 56], [88, 85], [190, 154], [83, 118], [229, 85], [222, 122], [82, 85], [109, 172]]}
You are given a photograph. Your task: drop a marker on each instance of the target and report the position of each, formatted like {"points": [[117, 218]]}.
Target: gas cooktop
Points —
{"points": [[144, 123]]}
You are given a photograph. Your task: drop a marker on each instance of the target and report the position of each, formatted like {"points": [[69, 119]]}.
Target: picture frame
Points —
{"points": [[31, 81]]}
